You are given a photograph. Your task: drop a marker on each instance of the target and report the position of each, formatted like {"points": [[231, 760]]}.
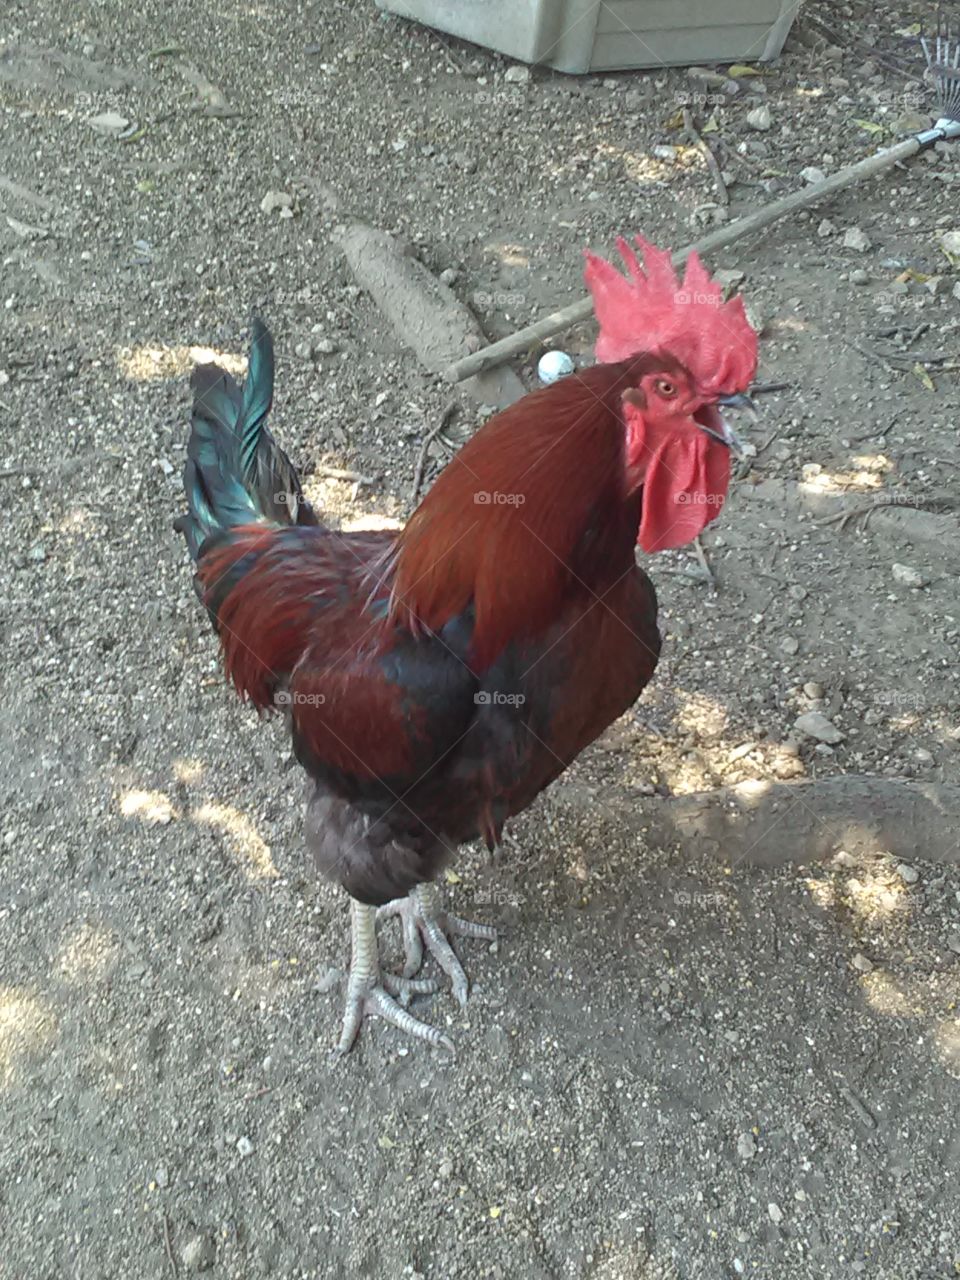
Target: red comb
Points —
{"points": [[650, 310]]}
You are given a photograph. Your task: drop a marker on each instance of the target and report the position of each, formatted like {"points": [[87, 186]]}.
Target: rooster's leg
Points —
{"points": [[425, 923], [369, 992]]}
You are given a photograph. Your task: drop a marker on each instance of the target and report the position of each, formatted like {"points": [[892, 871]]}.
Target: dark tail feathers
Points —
{"points": [[236, 473]]}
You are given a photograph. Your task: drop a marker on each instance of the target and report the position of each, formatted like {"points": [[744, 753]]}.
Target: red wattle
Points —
{"points": [[684, 486]]}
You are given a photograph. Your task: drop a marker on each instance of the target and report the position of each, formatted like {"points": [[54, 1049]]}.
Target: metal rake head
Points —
{"points": [[943, 62]]}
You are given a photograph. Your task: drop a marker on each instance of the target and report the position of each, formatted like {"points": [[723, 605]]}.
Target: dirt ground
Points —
{"points": [[682, 1061]]}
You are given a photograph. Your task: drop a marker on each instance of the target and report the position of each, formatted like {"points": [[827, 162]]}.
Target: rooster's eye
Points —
{"points": [[665, 388]]}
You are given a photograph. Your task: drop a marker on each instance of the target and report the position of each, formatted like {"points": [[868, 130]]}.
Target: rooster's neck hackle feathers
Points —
{"points": [[651, 310], [532, 510]]}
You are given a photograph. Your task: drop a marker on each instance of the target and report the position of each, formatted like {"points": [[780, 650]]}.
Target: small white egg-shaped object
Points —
{"points": [[554, 365]]}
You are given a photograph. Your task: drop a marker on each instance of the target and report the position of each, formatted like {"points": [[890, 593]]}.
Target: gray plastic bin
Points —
{"points": [[612, 35]]}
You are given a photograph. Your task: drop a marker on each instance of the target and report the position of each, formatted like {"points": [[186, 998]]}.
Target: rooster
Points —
{"points": [[435, 680]]}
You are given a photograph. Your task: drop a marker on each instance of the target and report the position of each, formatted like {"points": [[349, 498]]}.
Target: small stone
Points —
{"points": [[199, 1253], [857, 239], [816, 725], [861, 963], [950, 240], [859, 276], [826, 228], [953, 942], [729, 277], [275, 200], [760, 118], [908, 874], [911, 122], [448, 276], [463, 160], [446, 1168], [813, 175], [162, 1178], [517, 75], [923, 756], [109, 122], [328, 980], [37, 553], [813, 690], [775, 1212], [244, 1147], [665, 152], [907, 576], [746, 1146], [789, 645], [956, 291], [303, 351], [325, 347]]}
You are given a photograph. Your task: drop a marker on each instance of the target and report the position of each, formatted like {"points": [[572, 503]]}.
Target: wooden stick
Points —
{"points": [[717, 239]]}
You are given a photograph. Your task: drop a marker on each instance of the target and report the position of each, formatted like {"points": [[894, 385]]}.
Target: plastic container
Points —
{"points": [[616, 35]]}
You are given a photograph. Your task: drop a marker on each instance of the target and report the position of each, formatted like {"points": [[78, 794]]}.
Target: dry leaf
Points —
{"points": [[869, 125], [924, 377], [740, 69], [711, 126]]}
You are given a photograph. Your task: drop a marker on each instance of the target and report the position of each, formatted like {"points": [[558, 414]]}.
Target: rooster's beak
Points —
{"points": [[728, 435]]}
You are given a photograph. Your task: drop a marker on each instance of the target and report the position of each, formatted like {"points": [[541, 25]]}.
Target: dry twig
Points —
{"points": [[445, 419]]}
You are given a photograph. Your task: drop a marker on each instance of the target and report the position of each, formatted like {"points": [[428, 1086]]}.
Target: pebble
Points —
{"points": [[665, 152], [325, 347], [950, 240], [449, 276], [862, 963], [775, 1212], [108, 122], [328, 981], [857, 239], [816, 725], [826, 228], [956, 291], [199, 1253], [244, 1147], [953, 942], [908, 874], [275, 200], [923, 755], [813, 690], [911, 122], [303, 351], [812, 175], [760, 118], [907, 576], [517, 75], [746, 1146], [789, 645], [859, 276]]}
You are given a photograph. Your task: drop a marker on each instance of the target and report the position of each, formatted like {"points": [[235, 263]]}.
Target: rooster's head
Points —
{"points": [[689, 351]]}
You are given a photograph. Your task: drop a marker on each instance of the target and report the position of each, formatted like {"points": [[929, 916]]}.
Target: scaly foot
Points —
{"points": [[426, 924], [371, 993]]}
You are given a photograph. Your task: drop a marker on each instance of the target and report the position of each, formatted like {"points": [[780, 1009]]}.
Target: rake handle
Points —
{"points": [[523, 339]]}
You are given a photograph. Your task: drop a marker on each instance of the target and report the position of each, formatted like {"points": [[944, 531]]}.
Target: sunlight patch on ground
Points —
{"points": [[947, 1040], [187, 770], [152, 807], [251, 848], [875, 896], [25, 1025], [88, 953], [370, 521], [153, 364], [868, 478], [886, 996]]}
